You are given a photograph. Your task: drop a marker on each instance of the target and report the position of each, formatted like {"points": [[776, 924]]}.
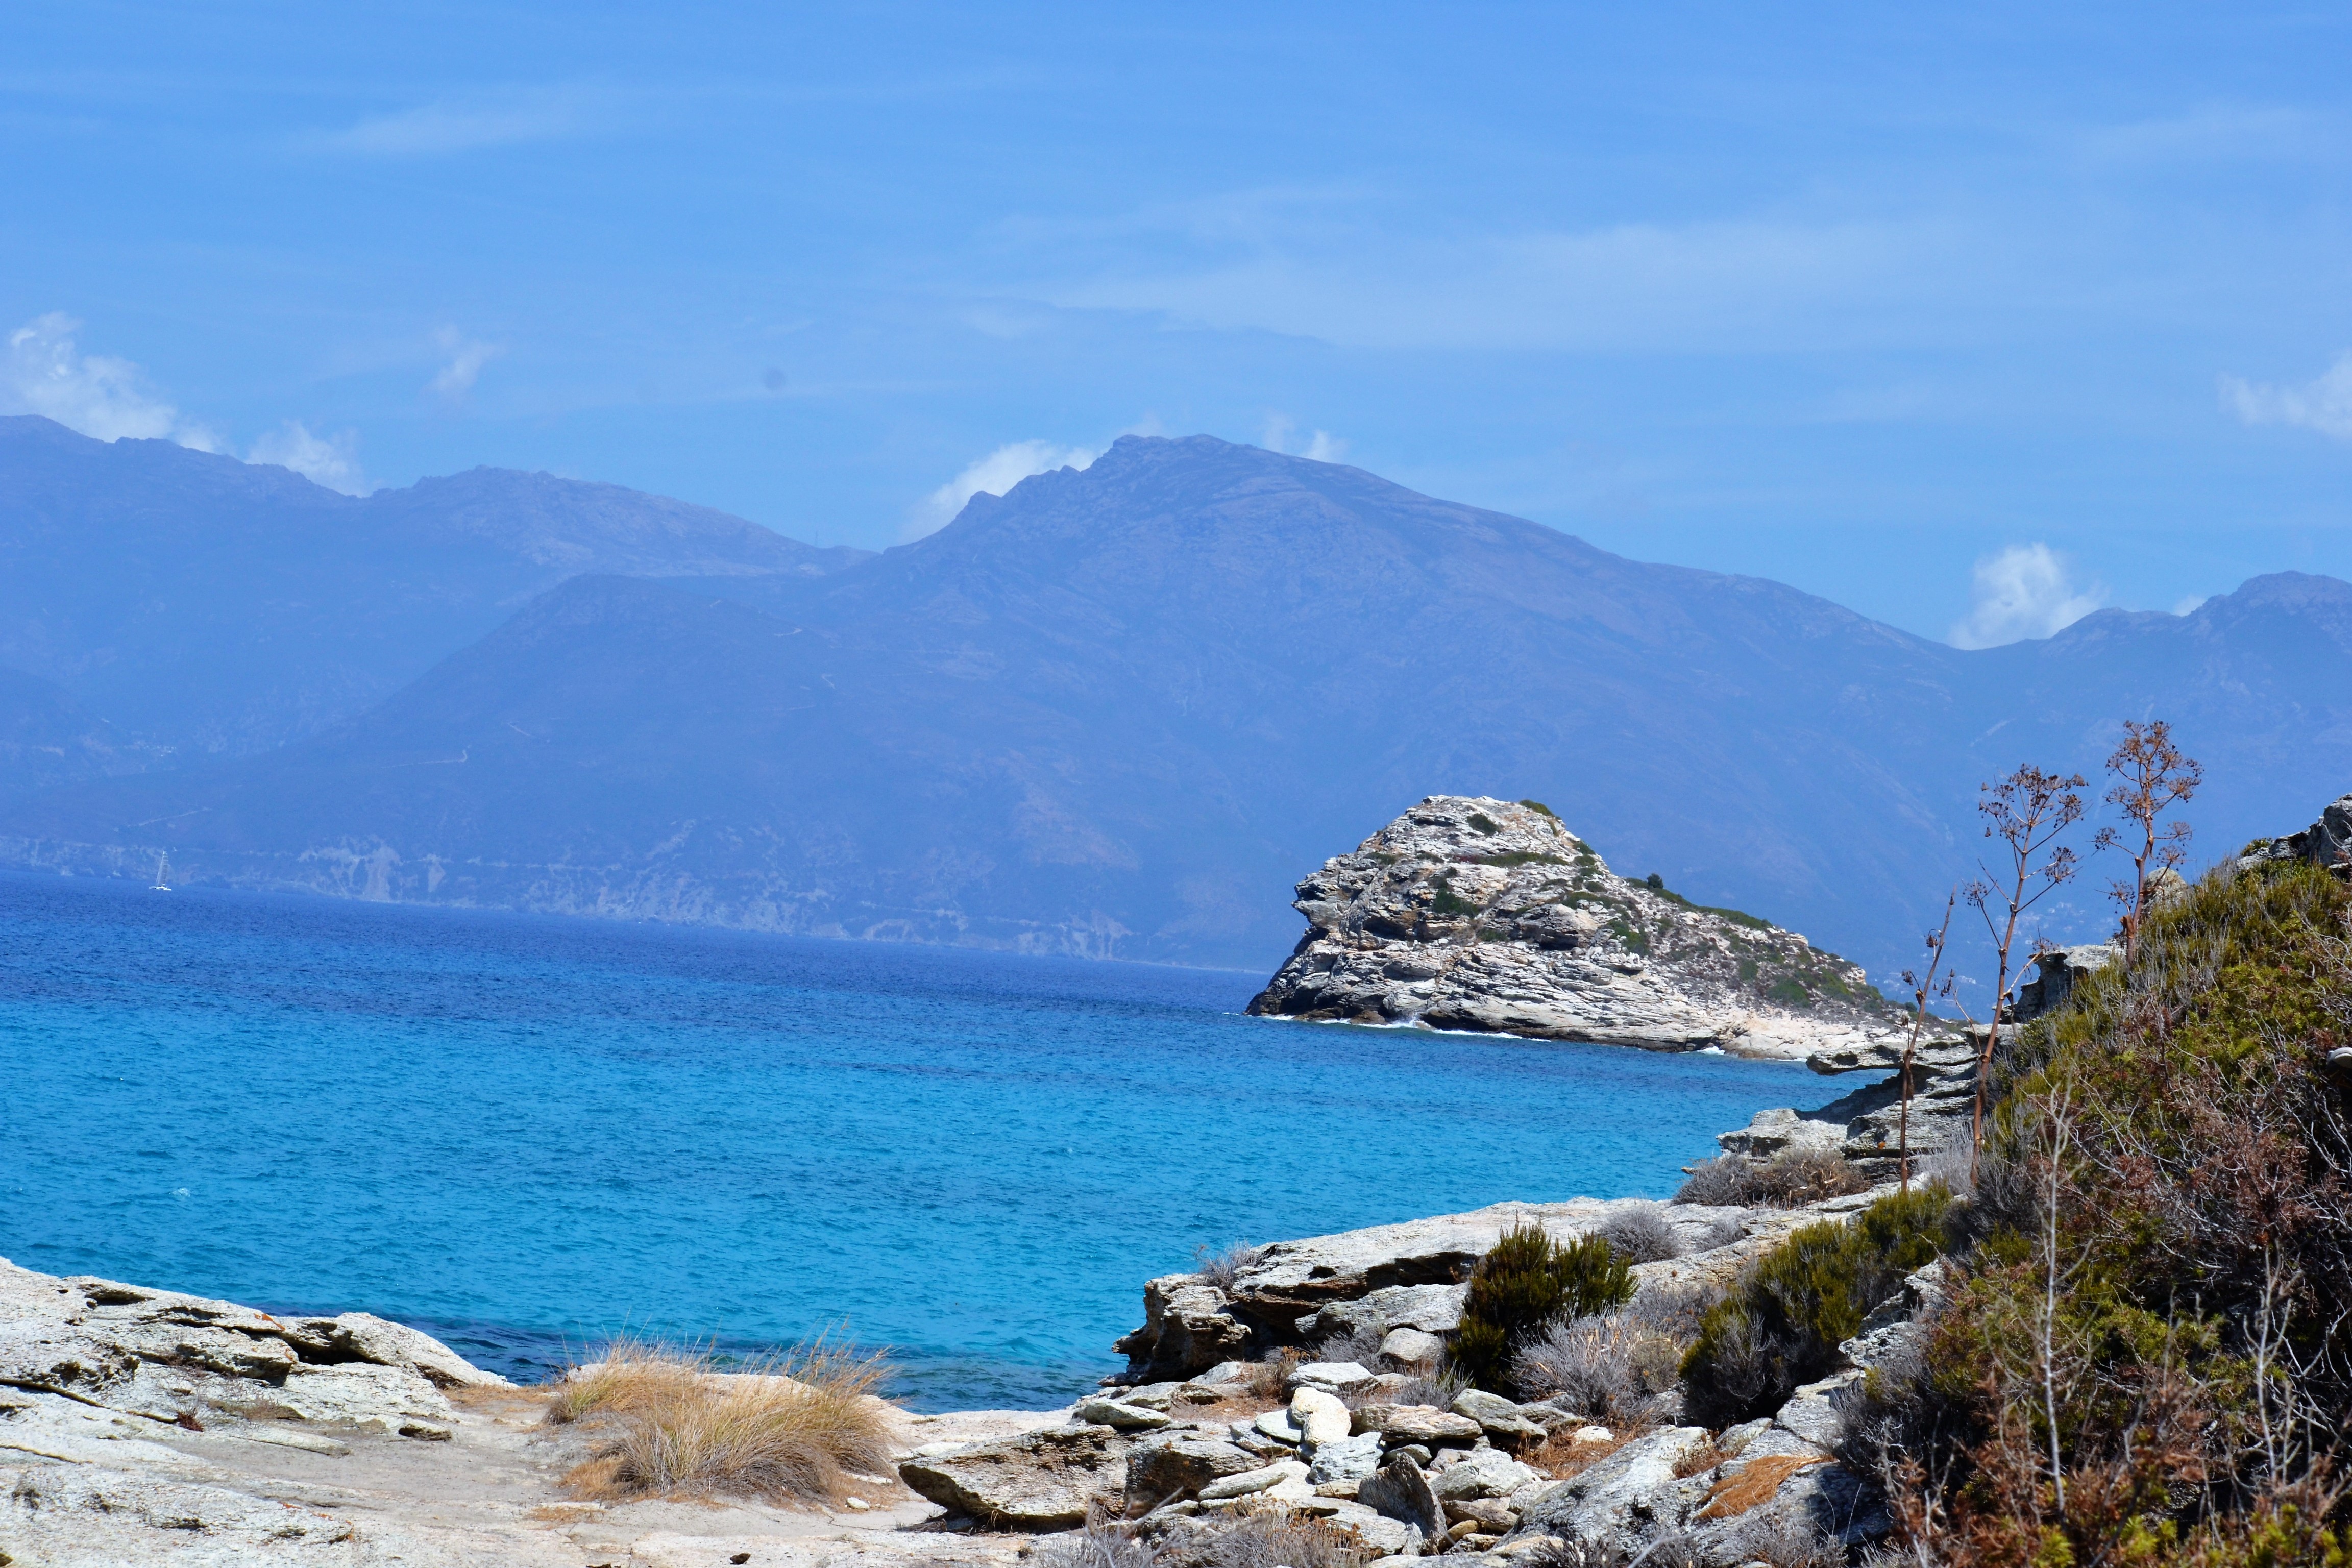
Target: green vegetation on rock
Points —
{"points": [[1525, 1282]]}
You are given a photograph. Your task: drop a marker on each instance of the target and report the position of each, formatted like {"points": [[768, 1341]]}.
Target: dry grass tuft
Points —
{"points": [[1755, 1484], [668, 1423]]}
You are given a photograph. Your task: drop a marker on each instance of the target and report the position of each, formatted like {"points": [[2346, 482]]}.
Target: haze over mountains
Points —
{"points": [[1115, 712]]}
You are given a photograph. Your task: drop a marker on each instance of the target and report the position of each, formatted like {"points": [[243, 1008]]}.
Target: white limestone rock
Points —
{"points": [[1474, 913]]}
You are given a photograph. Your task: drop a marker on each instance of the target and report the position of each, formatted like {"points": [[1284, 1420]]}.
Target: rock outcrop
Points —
{"points": [[1472, 914]]}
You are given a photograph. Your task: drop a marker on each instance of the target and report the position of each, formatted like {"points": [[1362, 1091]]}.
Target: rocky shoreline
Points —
{"points": [[140, 1424]]}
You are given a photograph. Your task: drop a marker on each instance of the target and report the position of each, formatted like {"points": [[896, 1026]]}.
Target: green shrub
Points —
{"points": [[1782, 1325], [1483, 823], [1527, 1281], [1448, 901], [1538, 805]]}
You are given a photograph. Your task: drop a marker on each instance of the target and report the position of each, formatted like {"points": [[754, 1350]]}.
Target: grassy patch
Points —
{"points": [[666, 1423], [1482, 823]]}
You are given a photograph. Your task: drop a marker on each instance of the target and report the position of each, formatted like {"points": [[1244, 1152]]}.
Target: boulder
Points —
{"points": [[1411, 1348], [1424, 1424], [364, 1337], [1596, 1504], [1187, 1330], [1813, 1414], [1345, 1458], [1482, 1473], [1173, 1465], [1320, 1416], [1335, 1376], [1042, 1480], [1278, 1426], [1489, 1515], [1399, 1490], [1497, 1415], [1246, 1483], [1126, 1417], [1379, 1536], [359, 1394], [1433, 1309]]}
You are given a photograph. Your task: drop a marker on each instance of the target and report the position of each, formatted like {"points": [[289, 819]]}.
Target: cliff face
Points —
{"points": [[1472, 914]]}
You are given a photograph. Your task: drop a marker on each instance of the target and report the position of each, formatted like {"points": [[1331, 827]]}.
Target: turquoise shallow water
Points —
{"points": [[523, 1133]]}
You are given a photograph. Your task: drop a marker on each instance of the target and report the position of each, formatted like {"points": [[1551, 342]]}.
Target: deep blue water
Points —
{"points": [[524, 1133]]}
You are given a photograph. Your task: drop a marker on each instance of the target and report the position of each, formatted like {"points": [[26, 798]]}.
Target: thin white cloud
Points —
{"points": [[1709, 287], [2324, 405], [996, 473], [454, 382], [330, 460], [2023, 591], [45, 373], [517, 115], [1322, 447]]}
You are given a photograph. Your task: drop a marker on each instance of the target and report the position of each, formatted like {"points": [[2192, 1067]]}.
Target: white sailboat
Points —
{"points": [[163, 874]]}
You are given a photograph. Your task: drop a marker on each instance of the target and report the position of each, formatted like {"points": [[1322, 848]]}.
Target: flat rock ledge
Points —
{"points": [[1489, 915]]}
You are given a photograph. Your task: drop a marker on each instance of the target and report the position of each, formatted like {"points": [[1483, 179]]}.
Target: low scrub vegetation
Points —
{"points": [[1611, 1366], [1781, 1324], [2147, 1354], [1640, 1233], [1789, 1180], [1525, 1282], [664, 1421]]}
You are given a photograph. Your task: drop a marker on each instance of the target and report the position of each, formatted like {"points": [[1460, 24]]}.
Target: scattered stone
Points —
{"points": [[1124, 1416], [1245, 1483], [1487, 1516], [1331, 1376], [1401, 1491], [1495, 1415], [1482, 1473], [1044, 1480], [1278, 1426], [1320, 1416], [1596, 1504], [1170, 1464], [1411, 1348], [1423, 1424], [1345, 1459]]}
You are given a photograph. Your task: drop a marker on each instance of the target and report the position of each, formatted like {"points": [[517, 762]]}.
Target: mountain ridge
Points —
{"points": [[1122, 710]]}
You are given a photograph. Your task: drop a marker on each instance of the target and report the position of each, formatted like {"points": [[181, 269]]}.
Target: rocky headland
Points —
{"points": [[1472, 914]]}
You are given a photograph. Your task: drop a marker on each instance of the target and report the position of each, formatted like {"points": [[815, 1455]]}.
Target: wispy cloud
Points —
{"points": [[1322, 447], [2023, 591], [45, 373], [498, 119], [2324, 405], [996, 473], [1711, 286], [330, 460], [454, 382]]}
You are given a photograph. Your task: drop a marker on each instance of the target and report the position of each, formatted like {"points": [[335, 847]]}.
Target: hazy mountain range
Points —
{"points": [[1116, 711]]}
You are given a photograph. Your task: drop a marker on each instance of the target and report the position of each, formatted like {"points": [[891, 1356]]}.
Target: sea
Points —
{"points": [[527, 1134]]}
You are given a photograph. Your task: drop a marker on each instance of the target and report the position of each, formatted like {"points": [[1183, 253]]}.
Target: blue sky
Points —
{"points": [[1964, 316]]}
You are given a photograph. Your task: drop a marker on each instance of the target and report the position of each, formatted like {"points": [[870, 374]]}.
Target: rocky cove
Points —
{"points": [[1301, 1385]]}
